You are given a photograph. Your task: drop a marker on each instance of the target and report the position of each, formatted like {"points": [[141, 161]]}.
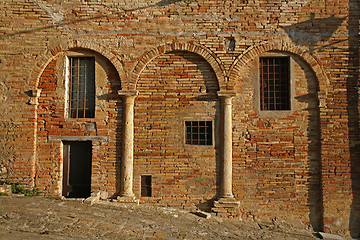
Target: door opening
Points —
{"points": [[77, 169]]}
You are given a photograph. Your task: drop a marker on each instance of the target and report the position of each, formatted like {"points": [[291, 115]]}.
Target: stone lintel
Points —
{"points": [[77, 138]]}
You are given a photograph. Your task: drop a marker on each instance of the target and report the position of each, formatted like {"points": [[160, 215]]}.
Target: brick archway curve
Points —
{"points": [[281, 46], [204, 52], [49, 55]]}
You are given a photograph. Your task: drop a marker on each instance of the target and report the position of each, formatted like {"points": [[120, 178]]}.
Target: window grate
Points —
{"points": [[82, 87], [275, 83], [146, 188], [198, 132]]}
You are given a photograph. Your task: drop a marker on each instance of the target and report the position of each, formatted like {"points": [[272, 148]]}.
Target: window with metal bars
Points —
{"points": [[146, 188], [82, 87], [198, 132], [274, 83]]}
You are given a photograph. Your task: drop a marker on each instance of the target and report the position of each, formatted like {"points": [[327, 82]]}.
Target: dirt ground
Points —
{"points": [[46, 218]]}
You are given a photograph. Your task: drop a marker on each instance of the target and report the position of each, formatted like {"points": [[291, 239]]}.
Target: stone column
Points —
{"points": [[34, 95], [225, 188], [127, 158]]}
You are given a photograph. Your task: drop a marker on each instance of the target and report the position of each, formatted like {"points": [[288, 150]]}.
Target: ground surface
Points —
{"points": [[45, 218]]}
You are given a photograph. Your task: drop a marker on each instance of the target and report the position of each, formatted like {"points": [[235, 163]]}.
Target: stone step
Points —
{"points": [[127, 200]]}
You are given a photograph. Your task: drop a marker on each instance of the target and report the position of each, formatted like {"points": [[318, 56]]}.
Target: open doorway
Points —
{"points": [[77, 169]]}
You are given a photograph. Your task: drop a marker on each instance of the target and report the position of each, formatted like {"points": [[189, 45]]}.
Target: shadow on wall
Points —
{"points": [[59, 23], [352, 85], [208, 204], [315, 196], [208, 94], [299, 34], [112, 96], [303, 33], [118, 138]]}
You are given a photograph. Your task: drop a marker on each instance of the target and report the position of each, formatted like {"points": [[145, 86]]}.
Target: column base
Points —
{"points": [[226, 207], [128, 200], [228, 202]]}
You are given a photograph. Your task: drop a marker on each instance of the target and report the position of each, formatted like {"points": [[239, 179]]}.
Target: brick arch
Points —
{"points": [[281, 46], [313, 134], [48, 56], [148, 56]]}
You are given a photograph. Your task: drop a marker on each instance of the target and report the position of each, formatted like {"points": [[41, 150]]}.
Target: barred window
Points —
{"points": [[82, 87], [275, 83], [198, 132]]}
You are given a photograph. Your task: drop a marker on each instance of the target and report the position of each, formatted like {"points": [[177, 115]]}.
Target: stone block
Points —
{"points": [[128, 200], [92, 200], [226, 203], [6, 189], [104, 195], [329, 236], [203, 214]]}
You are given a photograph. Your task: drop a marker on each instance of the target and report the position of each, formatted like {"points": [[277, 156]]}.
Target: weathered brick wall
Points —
{"points": [[51, 121], [276, 159], [174, 88]]}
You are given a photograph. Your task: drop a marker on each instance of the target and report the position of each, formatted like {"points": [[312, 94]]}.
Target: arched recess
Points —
{"points": [[49, 55], [313, 125], [48, 60], [176, 89], [209, 56]]}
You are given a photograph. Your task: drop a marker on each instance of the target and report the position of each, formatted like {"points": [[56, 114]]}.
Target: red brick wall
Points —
{"points": [[276, 160], [277, 157], [52, 122], [175, 87]]}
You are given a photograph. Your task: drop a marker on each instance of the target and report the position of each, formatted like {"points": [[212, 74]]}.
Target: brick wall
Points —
{"points": [[182, 174], [303, 164], [51, 121], [277, 157]]}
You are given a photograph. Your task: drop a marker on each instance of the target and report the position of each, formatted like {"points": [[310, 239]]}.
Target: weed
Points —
{"points": [[4, 182], [16, 188]]}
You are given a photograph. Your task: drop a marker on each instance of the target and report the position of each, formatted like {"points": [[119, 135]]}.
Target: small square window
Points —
{"points": [[146, 188], [198, 132], [274, 83]]}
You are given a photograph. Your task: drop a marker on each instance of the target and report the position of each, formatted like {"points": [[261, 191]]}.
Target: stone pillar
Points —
{"points": [[127, 158], [34, 95], [226, 198]]}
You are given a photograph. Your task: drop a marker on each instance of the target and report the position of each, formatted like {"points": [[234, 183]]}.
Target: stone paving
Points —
{"points": [[46, 218]]}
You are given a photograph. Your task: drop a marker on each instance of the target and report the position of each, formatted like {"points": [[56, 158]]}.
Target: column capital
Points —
{"points": [[128, 93], [226, 94], [34, 95]]}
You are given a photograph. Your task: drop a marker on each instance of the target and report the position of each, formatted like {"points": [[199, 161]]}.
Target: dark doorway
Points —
{"points": [[77, 169]]}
